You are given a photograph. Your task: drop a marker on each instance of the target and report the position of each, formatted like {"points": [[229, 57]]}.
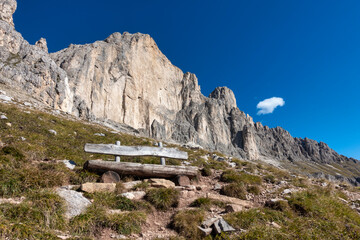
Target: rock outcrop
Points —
{"points": [[27, 68], [126, 80]]}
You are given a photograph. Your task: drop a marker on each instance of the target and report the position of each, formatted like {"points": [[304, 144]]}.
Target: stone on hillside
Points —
{"points": [[231, 200], [182, 181], [98, 187], [233, 208], [23, 139], [205, 231], [222, 226], [287, 191], [209, 222], [99, 134], [5, 98], [217, 187], [3, 117], [160, 182], [135, 195], [76, 203], [110, 177], [190, 188], [130, 185], [8, 124], [27, 104], [69, 164], [52, 131]]}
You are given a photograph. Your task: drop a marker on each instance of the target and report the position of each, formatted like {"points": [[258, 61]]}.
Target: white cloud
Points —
{"points": [[268, 105]]}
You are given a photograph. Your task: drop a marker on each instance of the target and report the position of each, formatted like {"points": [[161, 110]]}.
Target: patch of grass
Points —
{"points": [[141, 186], [237, 190], [18, 180], [95, 219], [207, 203], [163, 198], [311, 214], [232, 176], [115, 201], [34, 218], [185, 223], [301, 182]]}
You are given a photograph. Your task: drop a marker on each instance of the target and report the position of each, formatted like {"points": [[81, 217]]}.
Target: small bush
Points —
{"points": [[185, 223], [141, 186], [234, 190], [163, 198], [207, 203], [269, 179], [280, 205], [254, 189], [206, 171]]}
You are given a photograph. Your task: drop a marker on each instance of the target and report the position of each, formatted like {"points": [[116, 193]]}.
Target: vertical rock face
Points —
{"points": [[28, 68], [126, 79]]}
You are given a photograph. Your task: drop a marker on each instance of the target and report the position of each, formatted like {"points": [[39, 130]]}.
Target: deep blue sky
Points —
{"points": [[307, 52]]}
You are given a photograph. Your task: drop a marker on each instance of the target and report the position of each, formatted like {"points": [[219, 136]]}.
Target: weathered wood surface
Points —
{"points": [[140, 170], [112, 149]]}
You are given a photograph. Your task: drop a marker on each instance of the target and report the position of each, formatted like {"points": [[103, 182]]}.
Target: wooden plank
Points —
{"points": [[112, 149], [141, 170]]}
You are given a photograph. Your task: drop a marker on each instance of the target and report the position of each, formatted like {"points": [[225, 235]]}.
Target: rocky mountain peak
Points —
{"points": [[225, 95], [42, 44], [7, 9]]}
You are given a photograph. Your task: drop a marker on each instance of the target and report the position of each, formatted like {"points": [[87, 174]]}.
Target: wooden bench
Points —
{"points": [[138, 169]]}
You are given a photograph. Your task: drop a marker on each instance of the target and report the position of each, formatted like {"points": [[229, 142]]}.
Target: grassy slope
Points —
{"points": [[28, 169]]}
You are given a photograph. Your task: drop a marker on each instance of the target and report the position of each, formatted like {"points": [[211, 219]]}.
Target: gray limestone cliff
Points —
{"points": [[125, 79]]}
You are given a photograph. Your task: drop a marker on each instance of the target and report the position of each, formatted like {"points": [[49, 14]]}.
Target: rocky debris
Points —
{"points": [[8, 124], [3, 117], [182, 181], [76, 203], [22, 139], [226, 199], [27, 104], [98, 187], [217, 187], [205, 231], [69, 164], [216, 224], [5, 98], [52, 131], [160, 182], [287, 191], [233, 208], [222, 226], [135, 195], [130, 185], [42, 44], [110, 177], [12, 200], [99, 134], [274, 224]]}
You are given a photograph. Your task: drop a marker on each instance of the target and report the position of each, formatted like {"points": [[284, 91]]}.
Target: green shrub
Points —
{"points": [[163, 198], [185, 223], [234, 190], [279, 205], [254, 189], [206, 171], [207, 203], [269, 178]]}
